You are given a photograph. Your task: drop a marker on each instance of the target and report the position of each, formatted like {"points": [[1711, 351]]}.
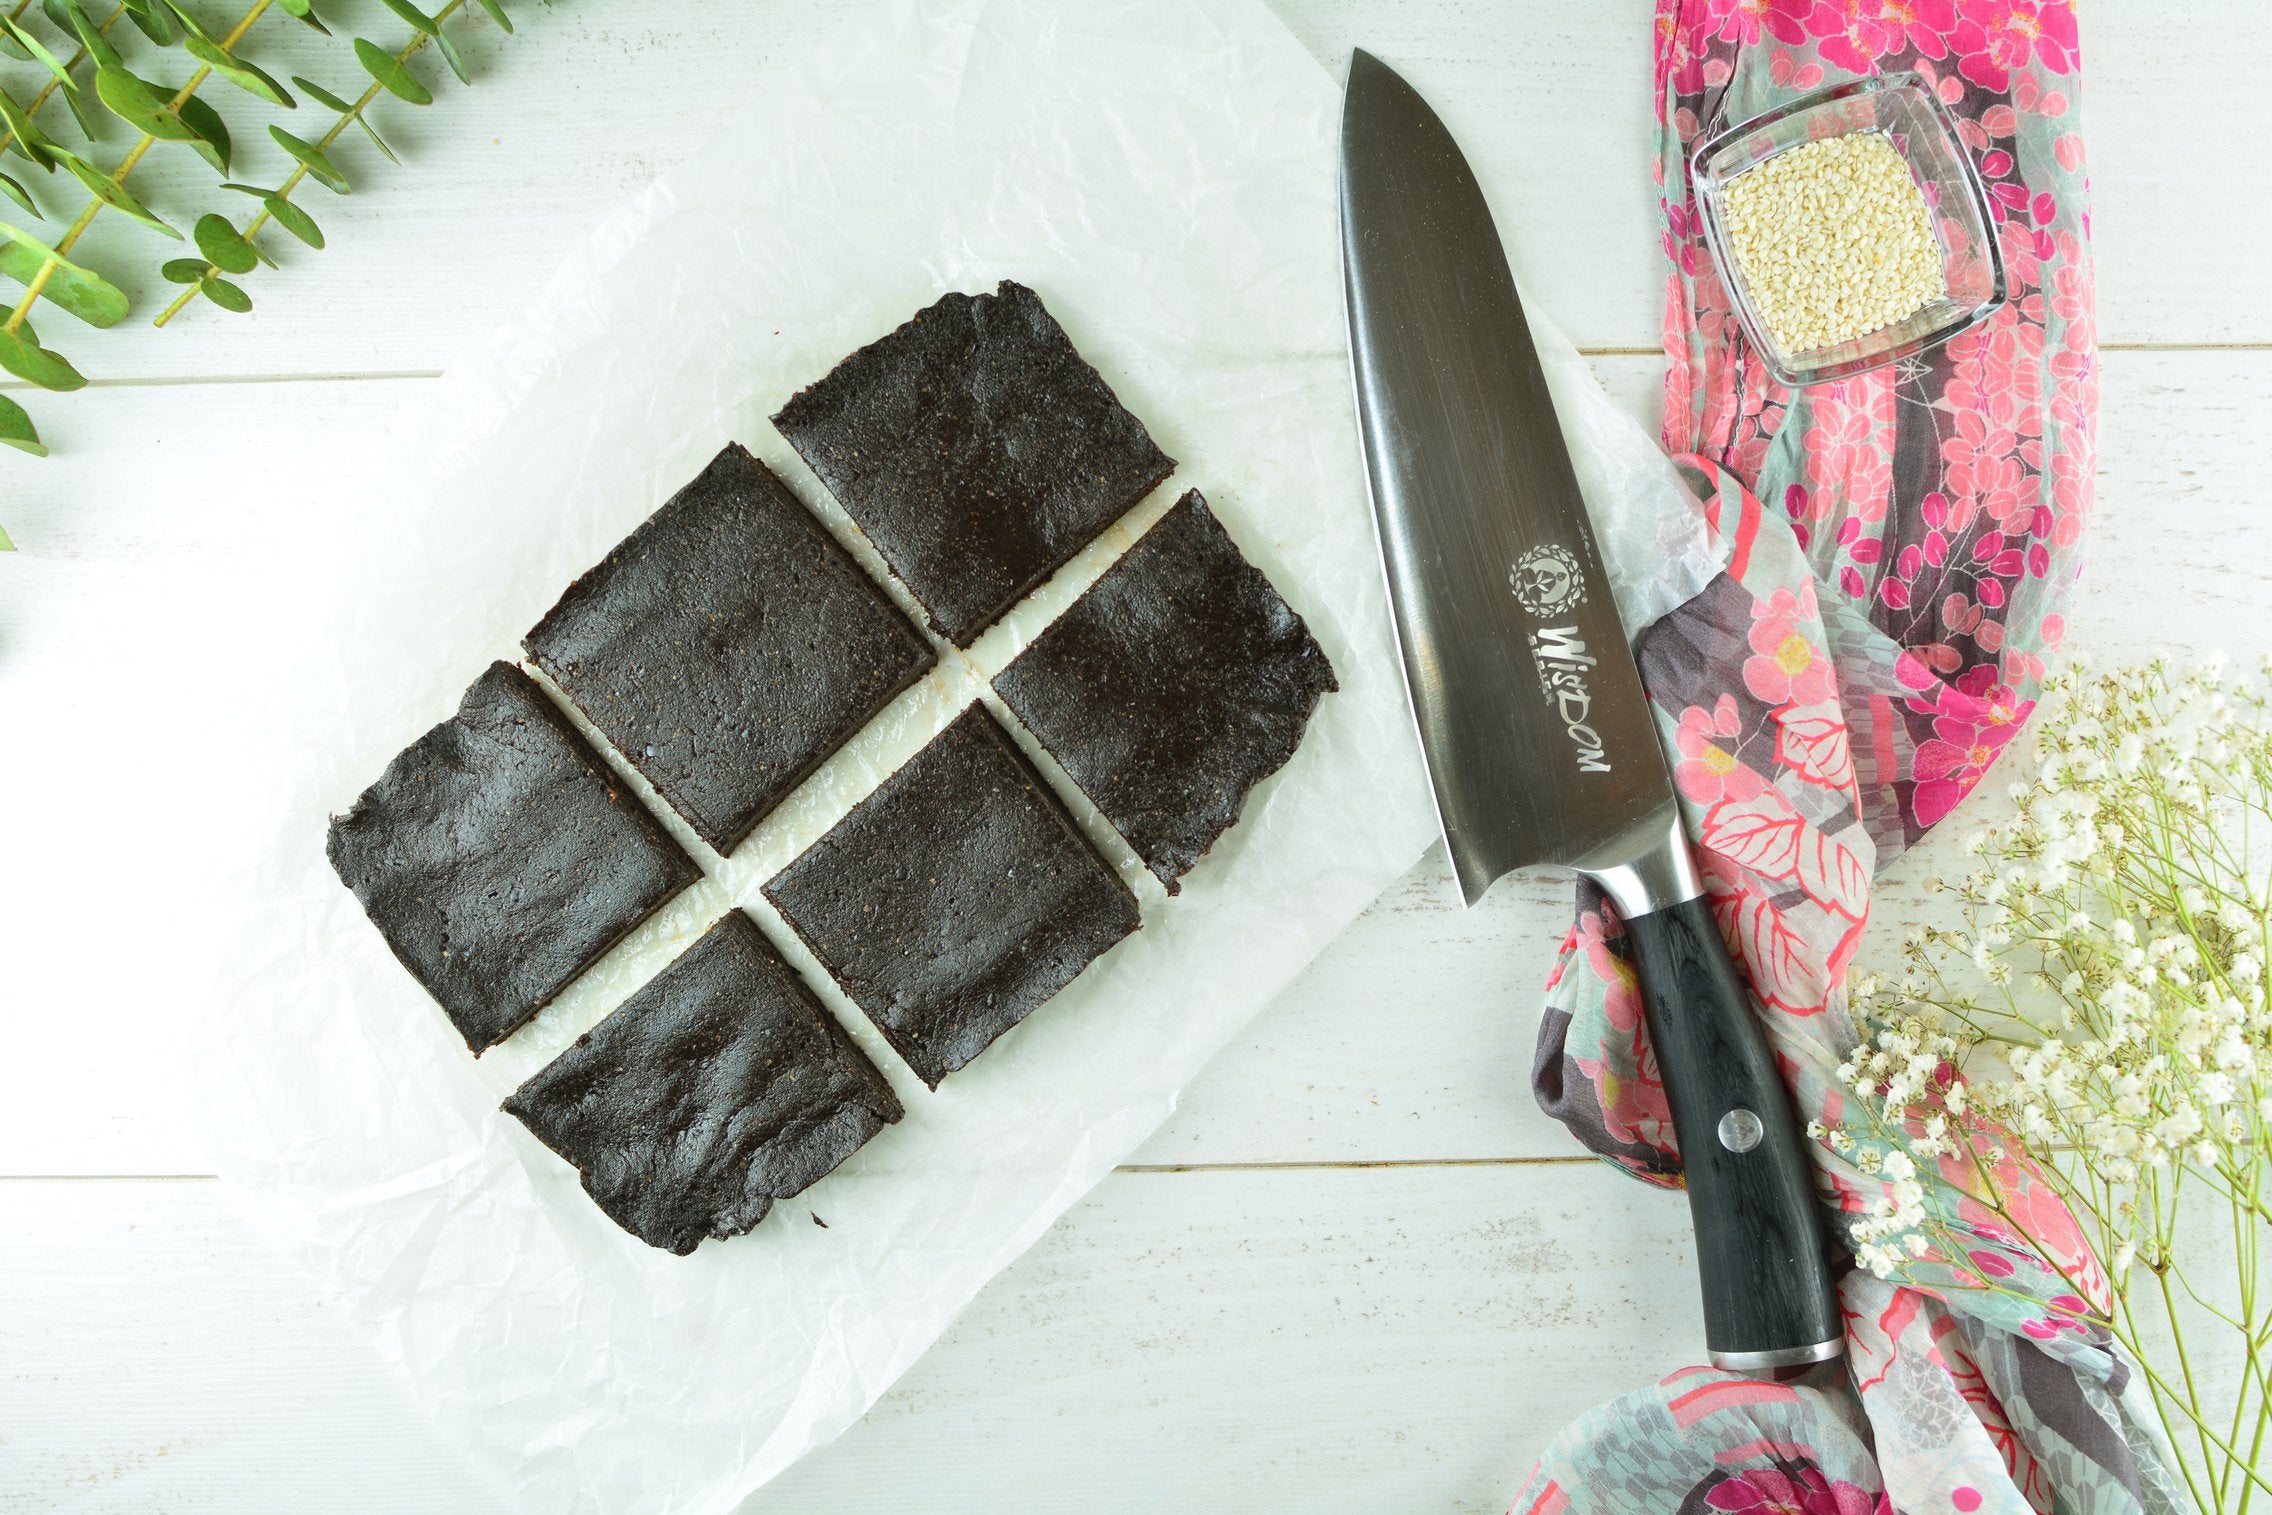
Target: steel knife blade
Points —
{"points": [[1539, 739]]}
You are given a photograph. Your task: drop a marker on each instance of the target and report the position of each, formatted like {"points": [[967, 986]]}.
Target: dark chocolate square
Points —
{"points": [[500, 857], [977, 451], [955, 899], [727, 647], [1174, 686], [718, 1088]]}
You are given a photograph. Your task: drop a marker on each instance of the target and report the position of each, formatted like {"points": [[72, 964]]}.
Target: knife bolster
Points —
{"points": [[1654, 869]]}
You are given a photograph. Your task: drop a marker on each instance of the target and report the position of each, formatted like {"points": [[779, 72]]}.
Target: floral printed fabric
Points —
{"points": [[1897, 548]]}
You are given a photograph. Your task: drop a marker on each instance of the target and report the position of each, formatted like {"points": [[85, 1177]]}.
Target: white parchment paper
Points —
{"points": [[1162, 173]]}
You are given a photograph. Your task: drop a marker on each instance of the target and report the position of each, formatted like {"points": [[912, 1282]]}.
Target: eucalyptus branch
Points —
{"points": [[389, 75]]}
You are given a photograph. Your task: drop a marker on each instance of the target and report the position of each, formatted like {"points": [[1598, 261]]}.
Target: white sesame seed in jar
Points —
{"points": [[1834, 240]]}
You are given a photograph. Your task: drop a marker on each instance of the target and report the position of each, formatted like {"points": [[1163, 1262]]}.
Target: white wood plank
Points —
{"points": [[158, 1356], [589, 101], [1410, 1038], [1321, 1340]]}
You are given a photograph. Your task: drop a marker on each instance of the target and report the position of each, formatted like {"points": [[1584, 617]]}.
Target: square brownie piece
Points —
{"points": [[1174, 686], [977, 451], [500, 857], [727, 647], [718, 1088], [954, 899]]}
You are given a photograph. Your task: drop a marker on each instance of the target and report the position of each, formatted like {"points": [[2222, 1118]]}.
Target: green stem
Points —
{"points": [[117, 176], [324, 143], [53, 84]]}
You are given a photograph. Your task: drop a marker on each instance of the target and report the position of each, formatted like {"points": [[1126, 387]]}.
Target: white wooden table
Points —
{"points": [[1356, 1270]]}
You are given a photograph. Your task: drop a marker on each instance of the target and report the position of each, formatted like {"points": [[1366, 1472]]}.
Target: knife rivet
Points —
{"points": [[1740, 1130]]}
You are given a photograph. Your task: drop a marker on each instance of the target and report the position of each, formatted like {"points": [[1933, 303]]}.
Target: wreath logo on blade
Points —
{"points": [[1546, 580]]}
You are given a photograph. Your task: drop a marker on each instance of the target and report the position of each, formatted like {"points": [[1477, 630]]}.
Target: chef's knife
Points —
{"points": [[1540, 744]]}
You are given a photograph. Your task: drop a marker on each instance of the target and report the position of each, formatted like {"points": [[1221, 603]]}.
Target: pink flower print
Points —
{"points": [[1918, 24], [1847, 38], [1789, 73], [1785, 667], [1737, 21], [1709, 770], [1999, 36], [1964, 745], [1792, 1488], [2071, 292]]}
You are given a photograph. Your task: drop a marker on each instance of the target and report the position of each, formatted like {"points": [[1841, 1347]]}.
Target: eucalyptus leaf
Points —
{"points": [[311, 158], [304, 13], [450, 56], [212, 142], [142, 105], [156, 21], [21, 355], [497, 14], [91, 37], [112, 193], [226, 295], [183, 270], [77, 291], [414, 16], [17, 431], [377, 141], [223, 247], [35, 49], [249, 77], [320, 95], [294, 220], [20, 195], [253, 190], [24, 139], [5, 544], [393, 75], [13, 48], [188, 20]]}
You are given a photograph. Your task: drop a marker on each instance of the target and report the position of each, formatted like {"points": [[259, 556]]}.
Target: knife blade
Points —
{"points": [[1540, 745]]}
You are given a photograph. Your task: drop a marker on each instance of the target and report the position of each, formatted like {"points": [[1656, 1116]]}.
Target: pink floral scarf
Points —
{"points": [[1897, 548]]}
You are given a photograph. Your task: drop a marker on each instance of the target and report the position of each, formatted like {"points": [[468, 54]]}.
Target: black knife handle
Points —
{"points": [[1769, 1300]]}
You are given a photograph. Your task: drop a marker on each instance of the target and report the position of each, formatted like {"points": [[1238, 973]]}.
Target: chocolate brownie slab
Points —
{"points": [[500, 857], [977, 451], [1177, 683], [955, 899], [727, 647], [718, 1088]]}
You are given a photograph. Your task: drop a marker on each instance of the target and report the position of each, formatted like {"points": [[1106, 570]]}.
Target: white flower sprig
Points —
{"points": [[2100, 1017]]}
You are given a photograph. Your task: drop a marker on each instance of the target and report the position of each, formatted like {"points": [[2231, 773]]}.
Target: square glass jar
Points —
{"points": [[1905, 110]]}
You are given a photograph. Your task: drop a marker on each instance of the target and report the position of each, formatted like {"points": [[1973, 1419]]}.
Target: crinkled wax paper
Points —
{"points": [[1162, 172]]}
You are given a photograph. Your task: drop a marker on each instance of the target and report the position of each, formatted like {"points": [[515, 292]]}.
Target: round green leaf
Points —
{"points": [[183, 270], [142, 105], [294, 220], [377, 141], [35, 49], [21, 355], [156, 21], [17, 431], [91, 37], [249, 77], [111, 192], [311, 158], [80, 291], [451, 57], [321, 95], [413, 15], [223, 246], [25, 139], [497, 14], [212, 140], [19, 194], [13, 48], [226, 295], [393, 75], [305, 13]]}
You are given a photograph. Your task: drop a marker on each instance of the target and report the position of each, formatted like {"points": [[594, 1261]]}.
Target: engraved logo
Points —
{"points": [[1546, 580]]}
